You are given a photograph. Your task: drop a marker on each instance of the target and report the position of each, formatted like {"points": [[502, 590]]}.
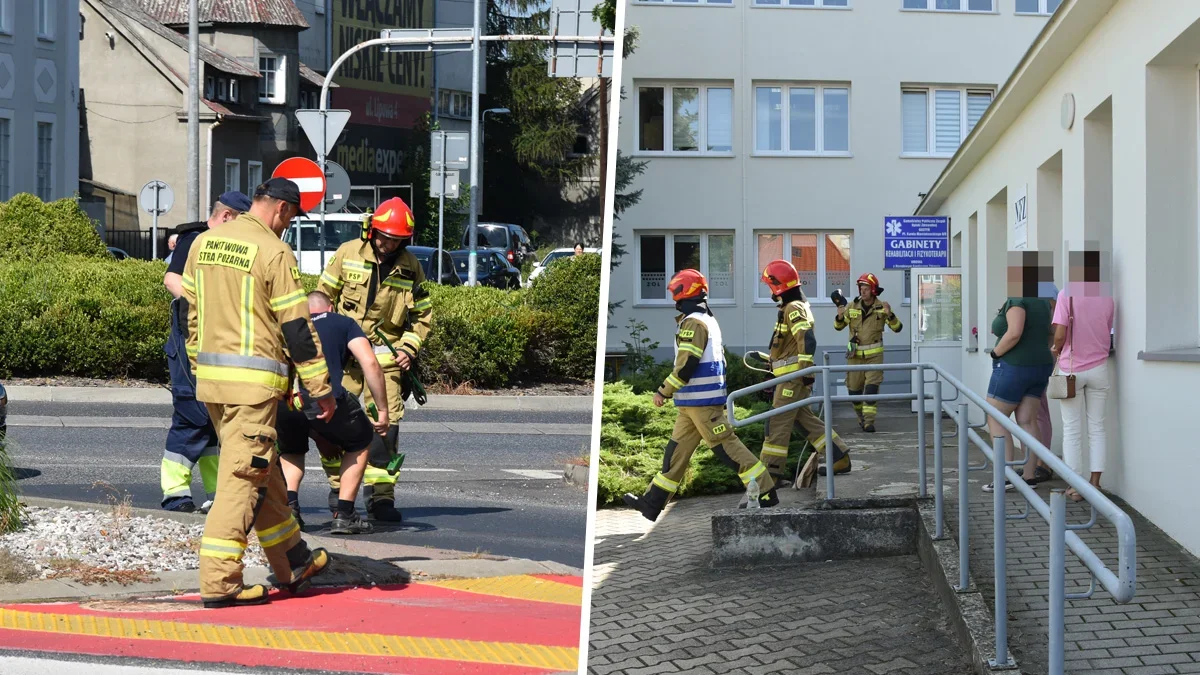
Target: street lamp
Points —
{"points": [[482, 120]]}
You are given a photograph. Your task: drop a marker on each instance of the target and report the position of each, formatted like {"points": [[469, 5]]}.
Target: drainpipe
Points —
{"points": [[208, 175]]}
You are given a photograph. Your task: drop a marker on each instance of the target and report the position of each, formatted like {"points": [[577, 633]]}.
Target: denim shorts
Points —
{"points": [[1011, 383]]}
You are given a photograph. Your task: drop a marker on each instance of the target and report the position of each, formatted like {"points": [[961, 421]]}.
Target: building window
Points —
{"points": [[5, 154], [951, 5], [6, 18], [45, 158], [235, 90], [821, 258], [272, 84], [233, 175], [254, 176], [45, 19], [722, 3], [838, 4], [1037, 6], [210, 88], [661, 255], [453, 103], [936, 121], [802, 120], [701, 119], [222, 88]]}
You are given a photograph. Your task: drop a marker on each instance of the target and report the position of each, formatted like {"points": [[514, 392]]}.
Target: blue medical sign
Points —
{"points": [[915, 241]]}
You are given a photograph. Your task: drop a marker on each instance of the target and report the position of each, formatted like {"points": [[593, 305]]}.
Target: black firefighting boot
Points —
{"points": [[349, 523], [650, 504], [333, 500], [249, 595], [385, 510], [302, 575], [767, 500], [840, 466]]}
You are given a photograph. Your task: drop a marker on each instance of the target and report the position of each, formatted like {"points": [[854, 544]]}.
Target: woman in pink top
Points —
{"points": [[1083, 322]]}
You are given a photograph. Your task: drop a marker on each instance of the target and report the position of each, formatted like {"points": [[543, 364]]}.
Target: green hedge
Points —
{"points": [[633, 434], [83, 313]]}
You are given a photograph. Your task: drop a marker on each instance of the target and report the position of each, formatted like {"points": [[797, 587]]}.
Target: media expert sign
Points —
{"points": [[373, 155], [357, 21], [910, 242]]}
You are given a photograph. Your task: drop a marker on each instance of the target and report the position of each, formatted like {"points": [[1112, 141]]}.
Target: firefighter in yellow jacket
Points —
{"points": [[377, 282], [793, 343], [866, 316], [248, 322], [697, 385]]}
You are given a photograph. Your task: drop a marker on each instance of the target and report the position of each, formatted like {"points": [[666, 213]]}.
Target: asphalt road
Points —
{"points": [[495, 487]]}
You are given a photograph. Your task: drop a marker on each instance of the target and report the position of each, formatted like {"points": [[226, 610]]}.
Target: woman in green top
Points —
{"points": [[1021, 368]]}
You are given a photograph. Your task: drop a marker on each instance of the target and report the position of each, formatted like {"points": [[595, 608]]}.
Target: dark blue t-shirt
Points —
{"points": [[336, 331]]}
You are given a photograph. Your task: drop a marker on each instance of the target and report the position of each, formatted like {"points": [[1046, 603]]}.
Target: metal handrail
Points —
{"points": [[1121, 585]]}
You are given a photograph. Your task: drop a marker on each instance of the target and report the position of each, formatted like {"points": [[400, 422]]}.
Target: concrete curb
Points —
{"points": [[974, 624], [356, 562], [576, 475], [162, 396]]}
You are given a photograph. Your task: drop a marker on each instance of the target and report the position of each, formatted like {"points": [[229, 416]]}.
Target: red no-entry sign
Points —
{"points": [[307, 176]]}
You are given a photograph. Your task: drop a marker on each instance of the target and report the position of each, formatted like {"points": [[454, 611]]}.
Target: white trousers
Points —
{"points": [[1091, 396]]}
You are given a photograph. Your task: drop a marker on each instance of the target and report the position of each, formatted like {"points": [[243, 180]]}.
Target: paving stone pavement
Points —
{"points": [[658, 607]]}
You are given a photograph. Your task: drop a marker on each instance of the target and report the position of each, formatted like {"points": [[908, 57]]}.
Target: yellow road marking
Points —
{"points": [[359, 644], [521, 587]]}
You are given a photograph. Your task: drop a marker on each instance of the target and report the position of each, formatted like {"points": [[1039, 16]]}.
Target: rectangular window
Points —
{"points": [[254, 176], [839, 4], [5, 154], [951, 5], [661, 255], [821, 258], [936, 121], [272, 84], [701, 119], [802, 120], [45, 158], [222, 89], [45, 19], [235, 91], [1044, 7], [233, 175], [210, 88]]}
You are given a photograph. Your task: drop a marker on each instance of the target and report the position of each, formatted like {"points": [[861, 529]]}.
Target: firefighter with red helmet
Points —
{"points": [[376, 281], [697, 386], [866, 316], [793, 343]]}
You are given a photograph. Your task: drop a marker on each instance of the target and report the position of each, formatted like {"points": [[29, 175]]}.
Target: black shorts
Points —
{"points": [[349, 429]]}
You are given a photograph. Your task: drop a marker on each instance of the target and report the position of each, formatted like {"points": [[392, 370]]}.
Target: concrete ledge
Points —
{"points": [[800, 535], [973, 622], [162, 396]]}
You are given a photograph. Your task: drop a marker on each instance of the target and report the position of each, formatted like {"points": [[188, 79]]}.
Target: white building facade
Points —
{"points": [[792, 128], [39, 98], [1099, 129]]}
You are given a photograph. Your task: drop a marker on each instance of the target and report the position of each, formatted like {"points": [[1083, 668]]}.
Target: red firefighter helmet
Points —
{"points": [[687, 284], [872, 281], [780, 275], [393, 218]]}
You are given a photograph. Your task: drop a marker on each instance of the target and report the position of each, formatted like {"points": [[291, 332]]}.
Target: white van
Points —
{"points": [[339, 228]]}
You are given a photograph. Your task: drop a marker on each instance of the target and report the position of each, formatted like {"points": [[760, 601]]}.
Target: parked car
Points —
{"points": [[339, 229], [425, 255], [556, 254], [511, 240], [118, 253], [493, 269]]}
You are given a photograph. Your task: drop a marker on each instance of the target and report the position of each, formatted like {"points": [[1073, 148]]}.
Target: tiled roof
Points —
{"points": [[267, 12], [313, 77], [213, 57]]}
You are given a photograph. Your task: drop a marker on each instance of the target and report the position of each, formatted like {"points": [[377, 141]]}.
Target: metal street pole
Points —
{"points": [[321, 163], [193, 111], [441, 209], [473, 222], [154, 224]]}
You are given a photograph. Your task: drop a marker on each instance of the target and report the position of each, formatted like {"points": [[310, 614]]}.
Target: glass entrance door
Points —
{"points": [[937, 327]]}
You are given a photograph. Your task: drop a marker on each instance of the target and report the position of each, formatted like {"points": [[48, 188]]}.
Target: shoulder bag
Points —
{"points": [[1063, 386]]}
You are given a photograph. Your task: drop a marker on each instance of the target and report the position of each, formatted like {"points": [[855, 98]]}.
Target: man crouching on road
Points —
{"points": [[349, 430], [697, 384], [247, 323]]}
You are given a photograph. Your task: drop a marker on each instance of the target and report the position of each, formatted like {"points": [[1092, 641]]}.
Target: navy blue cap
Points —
{"points": [[235, 200]]}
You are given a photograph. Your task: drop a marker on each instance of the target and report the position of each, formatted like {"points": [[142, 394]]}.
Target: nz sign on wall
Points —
{"points": [[378, 88], [915, 241]]}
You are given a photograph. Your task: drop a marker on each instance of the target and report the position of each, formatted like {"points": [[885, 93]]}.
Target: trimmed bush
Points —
{"points": [[31, 229], [633, 434], [569, 290]]}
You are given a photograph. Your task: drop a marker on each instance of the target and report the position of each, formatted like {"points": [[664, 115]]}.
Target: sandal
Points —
{"points": [[1074, 496]]}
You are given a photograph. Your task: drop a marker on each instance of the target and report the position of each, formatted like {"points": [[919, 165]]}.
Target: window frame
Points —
{"points": [[40, 119], [785, 121], [1042, 11], [817, 296], [6, 177], [45, 17], [235, 90], [237, 164], [817, 4], [280, 73], [964, 5], [931, 117], [250, 167], [687, 3], [668, 88], [210, 87], [669, 263]]}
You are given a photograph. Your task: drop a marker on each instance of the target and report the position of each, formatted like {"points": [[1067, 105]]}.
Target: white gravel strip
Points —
{"points": [[106, 540]]}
